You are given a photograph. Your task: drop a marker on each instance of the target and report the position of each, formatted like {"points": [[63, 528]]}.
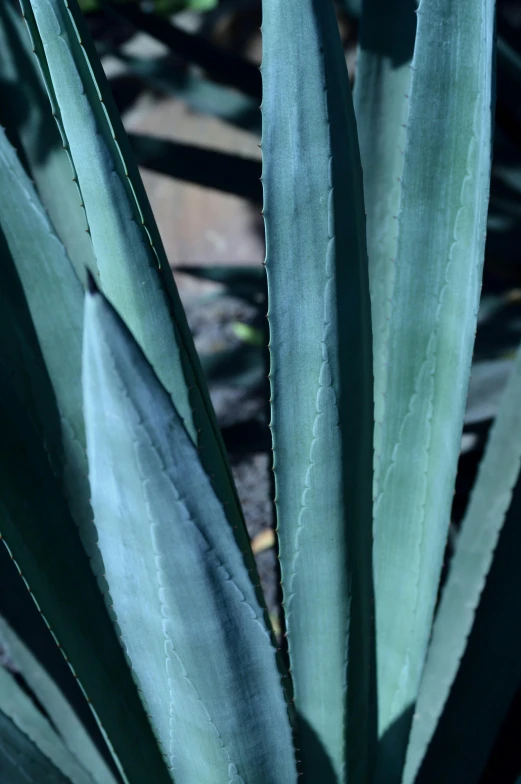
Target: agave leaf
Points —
{"points": [[58, 709], [383, 77], [196, 623], [321, 381], [17, 706], [42, 539], [133, 269], [438, 265], [26, 115], [43, 311], [480, 530], [21, 761]]}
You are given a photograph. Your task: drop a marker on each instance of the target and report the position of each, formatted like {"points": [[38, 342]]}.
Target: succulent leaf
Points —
{"points": [[321, 382], [439, 254], [36, 525], [17, 706], [190, 620], [21, 761], [383, 80], [63, 718], [27, 117], [133, 268]]}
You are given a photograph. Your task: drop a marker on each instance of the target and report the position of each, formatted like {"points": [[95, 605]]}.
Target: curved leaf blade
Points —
{"points": [[20, 709], [38, 279], [133, 268], [21, 762], [197, 633], [27, 117], [60, 712], [36, 525]]}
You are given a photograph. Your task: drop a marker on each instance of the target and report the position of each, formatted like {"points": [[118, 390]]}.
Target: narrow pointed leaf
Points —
{"points": [[321, 382], [480, 530], [187, 608], [58, 709], [21, 761], [17, 706], [36, 525], [132, 265], [439, 255], [27, 116], [38, 280]]}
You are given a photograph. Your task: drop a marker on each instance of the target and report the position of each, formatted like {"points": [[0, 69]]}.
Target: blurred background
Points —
{"points": [[185, 77]]}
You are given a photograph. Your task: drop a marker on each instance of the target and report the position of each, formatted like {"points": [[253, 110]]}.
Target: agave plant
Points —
{"points": [[117, 503]]}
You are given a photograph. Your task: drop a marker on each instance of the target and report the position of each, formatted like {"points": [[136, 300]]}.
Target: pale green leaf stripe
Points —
{"points": [[185, 601], [21, 762], [321, 382], [381, 100], [21, 710], [26, 115], [441, 233], [36, 525], [63, 717], [488, 505], [131, 260]]}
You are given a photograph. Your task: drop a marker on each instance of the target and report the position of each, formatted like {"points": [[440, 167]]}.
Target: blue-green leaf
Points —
{"points": [[41, 536], [18, 707], [381, 99], [21, 762], [58, 709], [38, 279], [27, 117], [321, 383], [185, 602], [132, 265], [432, 322]]}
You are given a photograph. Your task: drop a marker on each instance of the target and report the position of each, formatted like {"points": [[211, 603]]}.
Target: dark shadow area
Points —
{"points": [[504, 764], [392, 748], [211, 169], [388, 28], [319, 769], [490, 672]]}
